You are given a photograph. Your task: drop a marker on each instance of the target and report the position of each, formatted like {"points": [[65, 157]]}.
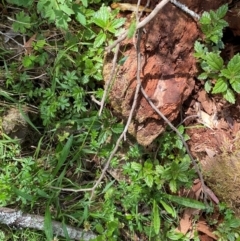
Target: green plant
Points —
{"points": [[228, 229], [219, 77]]}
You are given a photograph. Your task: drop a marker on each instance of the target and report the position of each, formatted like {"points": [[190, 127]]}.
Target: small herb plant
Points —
{"points": [[219, 77]]}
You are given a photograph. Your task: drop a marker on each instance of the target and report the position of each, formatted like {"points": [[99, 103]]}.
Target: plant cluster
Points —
{"points": [[219, 77], [57, 73]]}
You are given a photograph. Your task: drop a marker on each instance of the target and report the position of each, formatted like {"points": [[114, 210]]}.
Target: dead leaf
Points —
{"points": [[186, 221], [203, 227], [28, 45]]}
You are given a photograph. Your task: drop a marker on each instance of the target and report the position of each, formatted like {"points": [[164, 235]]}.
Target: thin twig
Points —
{"points": [[185, 9], [114, 61], [141, 24]]}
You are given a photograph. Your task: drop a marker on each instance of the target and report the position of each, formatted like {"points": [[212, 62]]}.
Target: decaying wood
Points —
{"points": [[14, 217]]}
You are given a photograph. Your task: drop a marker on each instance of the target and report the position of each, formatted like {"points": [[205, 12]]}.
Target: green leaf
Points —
{"points": [[229, 96], [226, 73], [63, 155], [156, 218], [117, 23], [22, 194], [23, 22], [205, 18], [221, 12], [99, 228], [159, 169], [214, 61], [203, 76], [169, 209], [24, 3], [101, 17], [100, 39], [173, 186], [118, 128], [235, 83], [66, 9], [208, 86], [136, 166], [122, 60], [48, 224], [187, 202], [81, 18], [220, 86], [149, 180], [200, 50], [131, 29], [234, 65], [179, 144], [84, 3], [181, 129]]}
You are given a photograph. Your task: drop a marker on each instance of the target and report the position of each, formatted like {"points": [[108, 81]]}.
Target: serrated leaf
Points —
{"points": [[100, 39], [220, 86], [221, 12], [101, 17], [234, 65], [169, 209], [66, 9], [229, 96], [173, 186], [182, 177], [149, 180], [205, 18], [181, 129], [179, 144], [214, 61], [235, 83], [226, 73], [117, 129], [203, 76], [208, 86], [215, 38], [187, 202], [136, 166], [117, 23], [156, 218]]}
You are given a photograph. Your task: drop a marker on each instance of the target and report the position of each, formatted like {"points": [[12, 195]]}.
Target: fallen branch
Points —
{"points": [[14, 217]]}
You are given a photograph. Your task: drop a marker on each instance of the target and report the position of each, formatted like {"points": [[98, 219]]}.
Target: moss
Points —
{"points": [[222, 174]]}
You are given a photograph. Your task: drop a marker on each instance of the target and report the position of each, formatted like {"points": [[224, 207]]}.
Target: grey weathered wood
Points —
{"points": [[14, 217]]}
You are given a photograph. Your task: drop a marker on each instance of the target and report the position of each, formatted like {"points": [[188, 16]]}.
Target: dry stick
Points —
{"points": [[180, 136], [14, 217], [141, 24], [114, 61]]}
